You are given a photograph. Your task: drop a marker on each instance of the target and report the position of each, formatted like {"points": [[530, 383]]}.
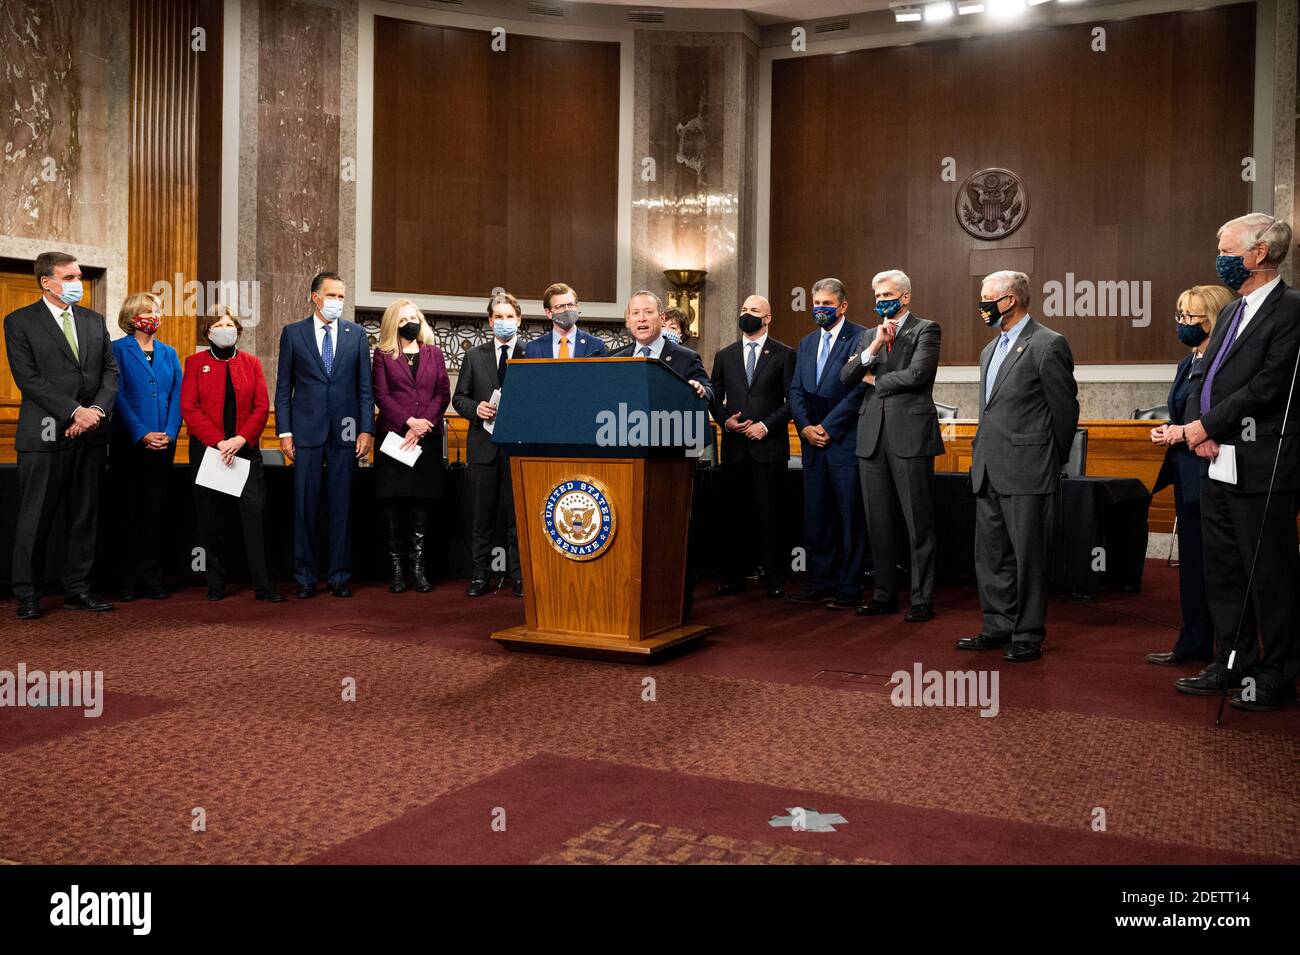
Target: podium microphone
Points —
{"points": [[1250, 579]]}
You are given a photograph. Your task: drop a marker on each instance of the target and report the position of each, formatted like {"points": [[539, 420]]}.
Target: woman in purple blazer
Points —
{"points": [[412, 391]]}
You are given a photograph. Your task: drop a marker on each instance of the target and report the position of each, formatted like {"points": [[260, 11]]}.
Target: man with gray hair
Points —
{"points": [[1248, 504], [898, 437], [1029, 409]]}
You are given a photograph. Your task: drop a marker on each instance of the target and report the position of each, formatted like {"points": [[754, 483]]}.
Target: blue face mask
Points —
{"points": [[888, 307], [332, 309], [1191, 335], [71, 293], [825, 315], [504, 329], [672, 336], [1232, 271]]}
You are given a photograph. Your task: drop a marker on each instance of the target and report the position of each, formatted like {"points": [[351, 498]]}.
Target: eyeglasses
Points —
{"points": [[570, 307], [1189, 318]]}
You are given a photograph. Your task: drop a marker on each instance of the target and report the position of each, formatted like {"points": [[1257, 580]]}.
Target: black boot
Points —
{"points": [[396, 547], [419, 537]]}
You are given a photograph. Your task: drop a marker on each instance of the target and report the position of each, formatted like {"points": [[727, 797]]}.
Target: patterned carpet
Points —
{"points": [[238, 710]]}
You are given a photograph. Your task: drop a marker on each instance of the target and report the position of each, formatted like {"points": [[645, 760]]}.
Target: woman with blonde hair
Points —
{"points": [[1198, 307], [412, 391], [146, 424]]}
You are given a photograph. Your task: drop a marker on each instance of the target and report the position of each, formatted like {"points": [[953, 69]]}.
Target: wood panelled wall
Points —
{"points": [[175, 165], [1131, 158], [493, 168]]}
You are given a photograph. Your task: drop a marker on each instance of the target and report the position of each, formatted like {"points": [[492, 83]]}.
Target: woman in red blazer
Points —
{"points": [[412, 390], [224, 403]]}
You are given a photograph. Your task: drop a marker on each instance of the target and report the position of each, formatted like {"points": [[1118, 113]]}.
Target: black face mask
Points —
{"points": [[1191, 335], [749, 324], [989, 312], [409, 331]]}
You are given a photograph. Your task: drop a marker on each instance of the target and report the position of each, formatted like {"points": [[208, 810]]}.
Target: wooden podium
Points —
{"points": [[602, 490]]}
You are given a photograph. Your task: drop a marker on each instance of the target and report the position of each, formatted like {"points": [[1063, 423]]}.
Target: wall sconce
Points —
{"points": [[686, 291]]}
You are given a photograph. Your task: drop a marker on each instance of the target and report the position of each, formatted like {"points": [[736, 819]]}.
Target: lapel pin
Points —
{"points": [[205, 368], [1020, 349]]}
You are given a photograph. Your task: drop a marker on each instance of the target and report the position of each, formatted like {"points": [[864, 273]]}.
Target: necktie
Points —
{"points": [[1228, 339], [69, 334], [822, 354], [327, 352], [501, 365], [645, 351], [750, 360], [564, 347], [1004, 342]]}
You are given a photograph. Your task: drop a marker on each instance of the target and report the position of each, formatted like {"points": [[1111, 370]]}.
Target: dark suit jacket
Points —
{"points": [[476, 382], [683, 361], [584, 346], [1253, 383], [1028, 423], [400, 396], [766, 399], [902, 399], [149, 395], [314, 406], [1181, 465], [832, 404], [53, 383]]}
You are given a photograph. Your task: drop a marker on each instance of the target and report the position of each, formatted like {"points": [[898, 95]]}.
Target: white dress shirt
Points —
{"points": [[656, 347], [57, 311], [1253, 301]]}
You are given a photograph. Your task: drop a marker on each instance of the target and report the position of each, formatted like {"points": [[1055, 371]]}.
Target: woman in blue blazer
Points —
{"points": [[1194, 322], [147, 419]]}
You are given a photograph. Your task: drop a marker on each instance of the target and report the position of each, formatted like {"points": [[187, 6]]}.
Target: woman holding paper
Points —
{"points": [[1194, 323], [147, 421], [224, 401], [412, 390]]}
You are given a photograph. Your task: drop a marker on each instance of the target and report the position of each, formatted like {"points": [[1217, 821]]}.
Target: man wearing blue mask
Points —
{"points": [[62, 362], [325, 417], [825, 412], [1249, 415], [482, 376], [898, 437]]}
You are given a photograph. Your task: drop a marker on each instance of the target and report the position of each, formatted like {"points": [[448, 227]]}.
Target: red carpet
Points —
{"points": [[237, 708]]}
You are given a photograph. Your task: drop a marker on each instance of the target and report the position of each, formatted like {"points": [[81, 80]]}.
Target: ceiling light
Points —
{"points": [[907, 14], [935, 12], [967, 8]]}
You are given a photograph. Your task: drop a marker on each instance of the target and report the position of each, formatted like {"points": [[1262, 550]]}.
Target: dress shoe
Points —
{"points": [[878, 608], [982, 642], [518, 587], [729, 588], [216, 593], [270, 596], [775, 591], [306, 591], [1266, 698], [127, 596], [477, 587], [1169, 659], [1207, 683], [85, 602], [919, 613], [843, 603], [811, 596], [1022, 651], [29, 608], [341, 590], [156, 593]]}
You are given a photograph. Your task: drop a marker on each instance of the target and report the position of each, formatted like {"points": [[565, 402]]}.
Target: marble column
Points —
{"points": [[695, 100]]}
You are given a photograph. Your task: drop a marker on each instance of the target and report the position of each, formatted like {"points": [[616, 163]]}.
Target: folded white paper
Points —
{"points": [[392, 447], [1224, 467], [494, 401], [217, 476]]}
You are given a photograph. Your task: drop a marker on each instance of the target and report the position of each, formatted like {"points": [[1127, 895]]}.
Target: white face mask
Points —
{"points": [[223, 337], [332, 310], [71, 293]]}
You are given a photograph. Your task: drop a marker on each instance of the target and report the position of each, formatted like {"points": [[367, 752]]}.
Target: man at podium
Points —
{"points": [[645, 320]]}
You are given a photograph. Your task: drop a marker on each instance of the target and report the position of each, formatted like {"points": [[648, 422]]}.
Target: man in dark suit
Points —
{"points": [[566, 339], [325, 416], [1029, 409], [898, 437], [482, 372], [62, 361], [1249, 376], [825, 411], [645, 320], [751, 382]]}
